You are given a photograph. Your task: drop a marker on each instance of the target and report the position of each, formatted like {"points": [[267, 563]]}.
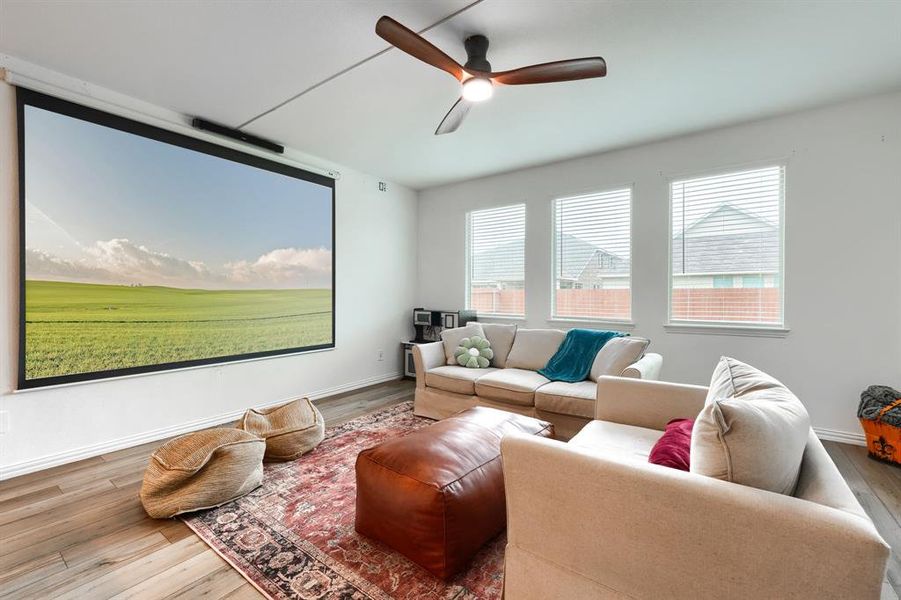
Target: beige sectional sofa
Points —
{"points": [[592, 518], [511, 382]]}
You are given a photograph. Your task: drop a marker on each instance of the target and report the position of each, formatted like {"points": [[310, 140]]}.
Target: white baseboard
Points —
{"points": [[845, 437], [61, 458]]}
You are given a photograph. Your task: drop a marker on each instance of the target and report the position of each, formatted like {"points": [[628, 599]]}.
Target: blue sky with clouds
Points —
{"points": [[103, 199]]}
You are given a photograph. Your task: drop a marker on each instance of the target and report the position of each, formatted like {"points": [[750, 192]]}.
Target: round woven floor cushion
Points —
{"points": [[202, 470], [290, 430]]}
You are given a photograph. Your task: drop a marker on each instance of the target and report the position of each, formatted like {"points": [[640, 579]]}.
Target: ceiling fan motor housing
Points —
{"points": [[476, 52]]}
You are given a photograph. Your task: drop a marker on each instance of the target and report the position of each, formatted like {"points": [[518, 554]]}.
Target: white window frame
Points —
{"points": [[468, 260], [727, 327], [554, 317]]}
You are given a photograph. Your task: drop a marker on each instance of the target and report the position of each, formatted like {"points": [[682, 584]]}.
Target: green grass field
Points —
{"points": [[80, 328]]}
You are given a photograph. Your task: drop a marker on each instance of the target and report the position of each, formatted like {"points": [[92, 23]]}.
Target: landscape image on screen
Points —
{"points": [[140, 253]]}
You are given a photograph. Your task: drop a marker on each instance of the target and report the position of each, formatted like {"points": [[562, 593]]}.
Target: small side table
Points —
{"points": [[409, 365]]}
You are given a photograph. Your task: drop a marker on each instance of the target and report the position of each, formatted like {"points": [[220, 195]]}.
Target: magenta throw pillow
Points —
{"points": [[674, 447]]}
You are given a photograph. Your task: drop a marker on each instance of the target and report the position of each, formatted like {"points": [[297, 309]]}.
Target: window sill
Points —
{"points": [[604, 322], [500, 317], [726, 329]]}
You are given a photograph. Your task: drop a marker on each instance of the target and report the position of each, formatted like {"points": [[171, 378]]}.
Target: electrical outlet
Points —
{"points": [[380, 355], [4, 422]]}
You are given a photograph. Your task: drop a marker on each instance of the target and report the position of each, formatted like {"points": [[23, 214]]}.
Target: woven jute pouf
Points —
{"points": [[202, 470], [290, 430]]}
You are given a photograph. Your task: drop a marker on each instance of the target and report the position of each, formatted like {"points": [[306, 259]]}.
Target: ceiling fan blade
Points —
{"points": [[561, 70], [416, 46], [454, 117]]}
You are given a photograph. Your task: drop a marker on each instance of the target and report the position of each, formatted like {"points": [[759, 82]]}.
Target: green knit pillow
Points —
{"points": [[474, 352]]}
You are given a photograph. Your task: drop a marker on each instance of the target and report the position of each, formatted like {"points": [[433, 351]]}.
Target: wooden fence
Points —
{"points": [[740, 305]]}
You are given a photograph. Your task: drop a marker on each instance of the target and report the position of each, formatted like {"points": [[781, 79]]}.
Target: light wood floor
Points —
{"points": [[78, 530]]}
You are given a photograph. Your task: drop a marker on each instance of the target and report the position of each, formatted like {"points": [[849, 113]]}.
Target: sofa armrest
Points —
{"points": [[646, 403], [647, 367], [425, 357], [647, 531]]}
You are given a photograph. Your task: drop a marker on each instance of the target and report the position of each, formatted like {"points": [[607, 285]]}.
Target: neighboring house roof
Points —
{"points": [[727, 240], [504, 262], [578, 254]]}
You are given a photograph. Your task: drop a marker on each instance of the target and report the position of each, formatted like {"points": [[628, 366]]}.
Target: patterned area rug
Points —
{"points": [[294, 536]]}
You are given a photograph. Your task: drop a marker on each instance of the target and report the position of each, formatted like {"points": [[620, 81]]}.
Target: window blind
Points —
{"points": [[727, 248], [592, 256], [495, 244]]}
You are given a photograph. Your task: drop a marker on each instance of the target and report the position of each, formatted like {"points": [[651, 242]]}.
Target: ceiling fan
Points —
{"points": [[476, 75]]}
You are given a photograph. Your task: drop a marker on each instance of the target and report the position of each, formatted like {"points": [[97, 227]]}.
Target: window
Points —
{"points": [[727, 248], [592, 256], [495, 260], [752, 281], [722, 281]]}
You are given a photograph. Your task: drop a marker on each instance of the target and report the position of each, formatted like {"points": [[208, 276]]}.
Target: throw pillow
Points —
{"points": [[501, 337], [532, 348], [673, 449], [616, 356], [752, 430], [452, 337], [474, 353]]}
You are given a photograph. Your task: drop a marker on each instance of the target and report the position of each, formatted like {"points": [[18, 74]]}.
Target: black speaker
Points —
{"points": [[236, 134]]}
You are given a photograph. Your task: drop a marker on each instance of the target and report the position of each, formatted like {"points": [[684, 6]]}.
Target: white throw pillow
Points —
{"points": [[452, 337], [501, 337], [616, 355], [532, 348], [752, 430]]}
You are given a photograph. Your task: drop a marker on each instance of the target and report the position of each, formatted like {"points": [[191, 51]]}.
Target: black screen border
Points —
{"points": [[26, 97]]}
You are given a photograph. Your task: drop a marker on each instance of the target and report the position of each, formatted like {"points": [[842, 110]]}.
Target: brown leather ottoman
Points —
{"points": [[437, 494]]}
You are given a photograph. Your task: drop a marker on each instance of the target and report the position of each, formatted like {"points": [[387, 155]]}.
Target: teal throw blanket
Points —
{"points": [[573, 359]]}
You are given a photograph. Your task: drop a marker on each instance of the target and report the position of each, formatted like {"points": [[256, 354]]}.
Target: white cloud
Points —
{"points": [[49, 267], [140, 264], [120, 261], [285, 267]]}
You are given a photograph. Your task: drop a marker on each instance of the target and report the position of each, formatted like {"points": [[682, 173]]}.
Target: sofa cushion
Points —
{"points": [[514, 386], [617, 440], [576, 399], [452, 337], [454, 378], [734, 379], [617, 355], [501, 337], [752, 430], [532, 348]]}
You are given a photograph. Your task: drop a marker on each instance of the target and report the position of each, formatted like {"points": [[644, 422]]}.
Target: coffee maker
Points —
{"points": [[430, 323]]}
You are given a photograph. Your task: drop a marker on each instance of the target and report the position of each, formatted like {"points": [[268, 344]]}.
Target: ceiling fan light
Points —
{"points": [[477, 89]]}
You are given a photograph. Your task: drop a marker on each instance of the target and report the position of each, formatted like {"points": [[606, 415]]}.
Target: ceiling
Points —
{"points": [[674, 68]]}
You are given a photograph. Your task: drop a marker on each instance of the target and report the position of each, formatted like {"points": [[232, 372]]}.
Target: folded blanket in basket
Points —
{"points": [[874, 399]]}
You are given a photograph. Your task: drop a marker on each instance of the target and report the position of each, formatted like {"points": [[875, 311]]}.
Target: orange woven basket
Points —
{"points": [[883, 440]]}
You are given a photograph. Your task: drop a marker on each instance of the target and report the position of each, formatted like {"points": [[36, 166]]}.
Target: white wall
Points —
{"points": [[376, 273], [843, 246]]}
